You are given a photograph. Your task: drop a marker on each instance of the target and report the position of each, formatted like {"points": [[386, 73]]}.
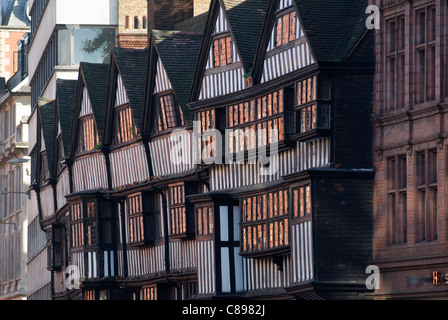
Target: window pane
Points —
{"points": [[93, 44]]}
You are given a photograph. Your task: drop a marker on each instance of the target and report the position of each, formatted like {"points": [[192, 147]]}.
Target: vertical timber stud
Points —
{"points": [[226, 246], [165, 230]]}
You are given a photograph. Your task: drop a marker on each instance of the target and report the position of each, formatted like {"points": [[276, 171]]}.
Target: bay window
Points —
{"points": [[140, 220], [265, 223], [125, 128], [313, 107], [257, 122], [169, 113], [87, 134], [181, 214]]}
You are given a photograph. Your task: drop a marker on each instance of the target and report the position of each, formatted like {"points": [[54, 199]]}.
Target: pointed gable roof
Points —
{"points": [[47, 121], [246, 19], [65, 98], [175, 49], [96, 77], [132, 65], [333, 27]]}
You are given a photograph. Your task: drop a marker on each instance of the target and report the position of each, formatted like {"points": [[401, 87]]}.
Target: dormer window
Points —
{"points": [[141, 222], [285, 28], [222, 51], [126, 130], [167, 117], [87, 136], [181, 212]]}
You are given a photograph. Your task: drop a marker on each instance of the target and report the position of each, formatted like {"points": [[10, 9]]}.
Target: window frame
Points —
{"points": [[299, 200], [83, 145], [135, 219], [217, 53], [205, 221], [55, 248], [180, 212], [397, 190], [271, 225], [313, 103], [426, 215], [124, 135], [291, 37], [425, 50], [247, 119], [177, 116], [395, 61], [144, 219], [77, 232]]}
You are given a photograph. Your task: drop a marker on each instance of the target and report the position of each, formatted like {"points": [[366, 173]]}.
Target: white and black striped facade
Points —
{"points": [[232, 228]]}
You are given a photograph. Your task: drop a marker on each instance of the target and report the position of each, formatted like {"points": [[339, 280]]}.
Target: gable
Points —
{"points": [[162, 82], [288, 49], [66, 94], [173, 49], [121, 96], [86, 128], [86, 104], [226, 75], [124, 124]]}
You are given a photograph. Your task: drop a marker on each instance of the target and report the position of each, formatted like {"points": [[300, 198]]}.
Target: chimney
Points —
{"points": [[132, 24]]}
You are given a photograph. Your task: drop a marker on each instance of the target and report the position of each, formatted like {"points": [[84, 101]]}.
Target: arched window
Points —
{"points": [[136, 23]]}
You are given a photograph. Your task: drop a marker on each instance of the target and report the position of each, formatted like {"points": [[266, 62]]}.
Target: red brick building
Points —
{"points": [[410, 130], [132, 24], [14, 24]]}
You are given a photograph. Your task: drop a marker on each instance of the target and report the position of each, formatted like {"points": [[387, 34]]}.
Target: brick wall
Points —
{"points": [[201, 6], [162, 15], [8, 51], [132, 24]]}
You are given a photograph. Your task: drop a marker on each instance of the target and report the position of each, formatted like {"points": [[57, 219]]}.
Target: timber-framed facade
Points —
{"points": [[159, 207]]}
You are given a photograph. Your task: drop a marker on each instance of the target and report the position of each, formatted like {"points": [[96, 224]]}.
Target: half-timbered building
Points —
{"points": [[39, 286], [93, 244], [289, 212], [232, 158], [56, 222]]}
